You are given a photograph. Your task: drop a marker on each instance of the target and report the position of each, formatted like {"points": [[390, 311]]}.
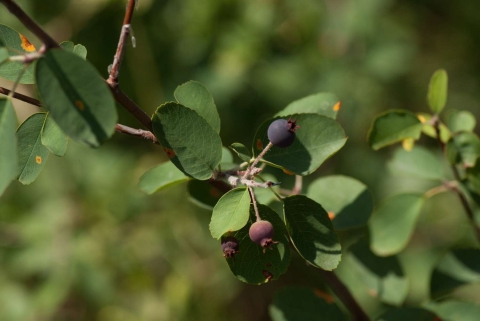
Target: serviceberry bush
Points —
{"points": [[257, 222]]}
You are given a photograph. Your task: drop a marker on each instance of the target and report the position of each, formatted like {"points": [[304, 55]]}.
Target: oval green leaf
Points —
{"points": [[454, 310], [392, 127], [16, 44], [392, 224], [194, 95], [32, 155], [297, 303], [53, 138], [419, 163], [8, 141], [402, 314], [463, 148], [77, 98], [437, 91], [312, 232], [203, 194], [325, 104], [251, 264], [242, 151], [317, 139], [190, 142], [345, 198], [3, 54], [160, 177], [460, 120], [382, 276], [230, 213]]}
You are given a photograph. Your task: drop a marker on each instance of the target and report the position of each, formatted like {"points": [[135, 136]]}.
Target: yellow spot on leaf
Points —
{"points": [[337, 106], [79, 105], [259, 144], [38, 159], [327, 297], [170, 153], [26, 45], [373, 293], [421, 119], [331, 215], [408, 144], [287, 172]]}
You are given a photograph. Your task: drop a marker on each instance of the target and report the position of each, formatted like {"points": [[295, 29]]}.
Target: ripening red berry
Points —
{"points": [[281, 132], [230, 246], [261, 232]]}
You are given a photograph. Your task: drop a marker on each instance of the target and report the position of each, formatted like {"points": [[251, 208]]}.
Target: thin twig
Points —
{"points": [[255, 162], [462, 197], [297, 188], [254, 201], [137, 132], [117, 60], [132, 108], [30, 100], [344, 295], [30, 24]]}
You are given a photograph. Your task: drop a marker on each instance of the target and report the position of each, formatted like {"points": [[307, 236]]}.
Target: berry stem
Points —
{"points": [[254, 201], [255, 162]]}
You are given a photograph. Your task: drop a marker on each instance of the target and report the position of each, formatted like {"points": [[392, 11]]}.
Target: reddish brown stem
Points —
{"points": [[136, 132], [30, 100]]}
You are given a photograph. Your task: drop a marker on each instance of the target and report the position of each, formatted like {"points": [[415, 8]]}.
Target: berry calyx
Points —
{"points": [[230, 246], [261, 232], [281, 132]]}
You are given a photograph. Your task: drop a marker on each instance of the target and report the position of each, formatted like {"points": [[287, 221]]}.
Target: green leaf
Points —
{"points": [[194, 95], [241, 151], [160, 177], [419, 163], [8, 141], [53, 138], [318, 138], [464, 148], [321, 103], [190, 142], [77, 98], [265, 195], [251, 264], [457, 267], [16, 45], [402, 314], [473, 176], [430, 131], [78, 49], [32, 155], [382, 276], [297, 303], [453, 310], [203, 194], [392, 223], [345, 198], [460, 120], [230, 213], [312, 232], [392, 127], [227, 159], [437, 91], [3, 55]]}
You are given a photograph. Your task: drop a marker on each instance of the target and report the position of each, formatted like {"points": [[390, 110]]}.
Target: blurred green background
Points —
{"points": [[83, 243]]}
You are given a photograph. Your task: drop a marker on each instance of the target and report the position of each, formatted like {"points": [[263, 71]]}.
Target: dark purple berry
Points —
{"points": [[230, 246], [281, 132], [261, 232]]}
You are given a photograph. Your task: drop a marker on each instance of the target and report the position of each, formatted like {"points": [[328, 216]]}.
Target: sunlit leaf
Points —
{"points": [[241, 151], [53, 138], [392, 127], [16, 44], [317, 139], [312, 232], [8, 141], [393, 222], [160, 177], [325, 104], [188, 140], [251, 264], [32, 155], [77, 98], [453, 310], [296, 303], [437, 91], [230, 213], [194, 95], [78, 49]]}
